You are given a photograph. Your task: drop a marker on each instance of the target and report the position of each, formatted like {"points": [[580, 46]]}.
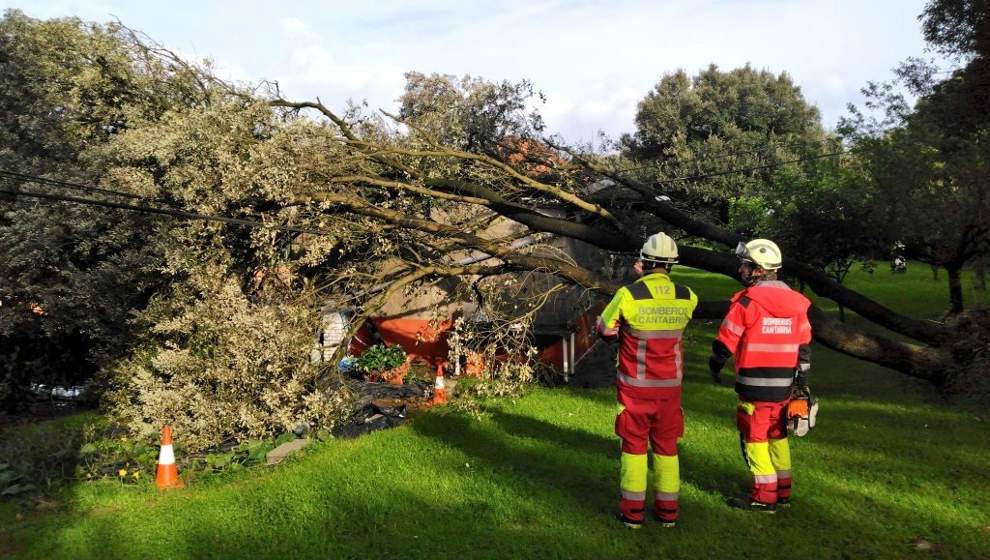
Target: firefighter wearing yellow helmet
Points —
{"points": [[767, 330], [648, 319]]}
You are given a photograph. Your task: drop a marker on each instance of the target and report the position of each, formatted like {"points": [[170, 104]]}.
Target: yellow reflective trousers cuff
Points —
{"points": [[633, 473], [666, 474], [780, 454]]}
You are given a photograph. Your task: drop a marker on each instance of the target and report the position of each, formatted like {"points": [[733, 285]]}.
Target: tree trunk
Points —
{"points": [[842, 313], [923, 362], [981, 274], [925, 331], [955, 288]]}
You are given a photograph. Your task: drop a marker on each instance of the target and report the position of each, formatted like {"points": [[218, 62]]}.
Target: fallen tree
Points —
{"points": [[310, 208], [406, 165]]}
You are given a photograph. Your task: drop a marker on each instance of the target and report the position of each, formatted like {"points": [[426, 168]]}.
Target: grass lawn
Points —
{"points": [[891, 472]]}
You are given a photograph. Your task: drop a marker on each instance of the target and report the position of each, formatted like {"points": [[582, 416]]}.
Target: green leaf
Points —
{"points": [[17, 489], [9, 476], [219, 460]]}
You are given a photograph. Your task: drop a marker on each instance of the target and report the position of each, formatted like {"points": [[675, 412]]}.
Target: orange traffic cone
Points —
{"points": [[167, 475], [439, 391]]}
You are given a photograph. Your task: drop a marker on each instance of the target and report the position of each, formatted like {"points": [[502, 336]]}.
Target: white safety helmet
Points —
{"points": [[761, 252], [659, 248]]}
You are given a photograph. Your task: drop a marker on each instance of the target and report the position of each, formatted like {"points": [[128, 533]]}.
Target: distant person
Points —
{"points": [[767, 330], [648, 319]]}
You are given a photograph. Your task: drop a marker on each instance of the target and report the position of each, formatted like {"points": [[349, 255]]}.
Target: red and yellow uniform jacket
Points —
{"points": [[649, 318], [767, 329]]}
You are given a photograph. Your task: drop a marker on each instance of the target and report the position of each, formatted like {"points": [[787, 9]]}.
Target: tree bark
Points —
{"points": [[925, 331], [955, 289], [922, 362]]}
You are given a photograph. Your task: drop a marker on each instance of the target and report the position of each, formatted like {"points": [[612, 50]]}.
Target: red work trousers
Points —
{"points": [[763, 438], [656, 423]]}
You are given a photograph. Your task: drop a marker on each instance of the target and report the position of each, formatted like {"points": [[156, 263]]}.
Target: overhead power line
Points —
{"points": [[160, 211], [76, 186], [748, 169], [699, 157], [23, 178]]}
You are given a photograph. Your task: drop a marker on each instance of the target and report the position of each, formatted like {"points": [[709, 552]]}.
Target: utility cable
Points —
{"points": [[12, 175], [748, 169], [160, 211], [699, 157], [77, 186]]}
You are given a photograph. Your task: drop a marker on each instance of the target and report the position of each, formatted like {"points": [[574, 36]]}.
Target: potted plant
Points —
{"points": [[383, 364]]}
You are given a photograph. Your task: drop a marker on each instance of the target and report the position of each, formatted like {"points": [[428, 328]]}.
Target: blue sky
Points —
{"points": [[593, 60]]}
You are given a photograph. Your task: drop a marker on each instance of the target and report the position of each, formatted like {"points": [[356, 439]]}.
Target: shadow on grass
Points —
{"points": [[699, 470], [539, 490]]}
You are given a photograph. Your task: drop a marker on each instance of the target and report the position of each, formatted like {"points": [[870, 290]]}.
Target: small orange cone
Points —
{"points": [[167, 475], [439, 391]]}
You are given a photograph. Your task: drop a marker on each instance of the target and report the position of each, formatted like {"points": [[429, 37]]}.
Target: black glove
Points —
{"points": [[802, 381], [714, 367]]}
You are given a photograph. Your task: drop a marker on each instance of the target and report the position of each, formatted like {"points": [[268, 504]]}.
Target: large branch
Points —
{"points": [[817, 280], [506, 253], [821, 283], [911, 359], [558, 193], [930, 364], [535, 220]]}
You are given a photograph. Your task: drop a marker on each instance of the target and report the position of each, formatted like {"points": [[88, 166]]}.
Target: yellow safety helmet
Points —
{"points": [[761, 252], [659, 248]]}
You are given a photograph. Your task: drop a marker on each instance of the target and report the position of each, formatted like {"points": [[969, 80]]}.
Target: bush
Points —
{"points": [[379, 357], [218, 367], [37, 456]]}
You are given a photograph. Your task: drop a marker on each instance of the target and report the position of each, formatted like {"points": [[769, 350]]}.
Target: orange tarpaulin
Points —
{"points": [[426, 340], [423, 339]]}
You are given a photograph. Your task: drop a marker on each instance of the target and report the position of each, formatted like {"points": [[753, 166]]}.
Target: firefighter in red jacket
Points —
{"points": [[648, 319], [767, 330]]}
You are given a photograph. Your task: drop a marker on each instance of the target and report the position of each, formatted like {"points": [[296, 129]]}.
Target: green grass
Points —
{"points": [[889, 464]]}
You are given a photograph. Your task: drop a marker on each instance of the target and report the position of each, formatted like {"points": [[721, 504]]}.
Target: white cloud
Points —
{"points": [[598, 59], [834, 84], [315, 69], [298, 30]]}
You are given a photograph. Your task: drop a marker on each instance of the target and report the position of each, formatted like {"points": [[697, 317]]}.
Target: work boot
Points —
{"points": [[631, 523], [784, 502], [666, 523], [750, 504]]}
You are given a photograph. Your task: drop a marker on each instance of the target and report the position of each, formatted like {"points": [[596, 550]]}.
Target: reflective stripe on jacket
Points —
{"points": [[649, 318], [767, 329]]}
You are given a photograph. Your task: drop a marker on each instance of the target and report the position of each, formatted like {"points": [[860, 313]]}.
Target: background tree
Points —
{"points": [[70, 273], [929, 162], [820, 213], [718, 120]]}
